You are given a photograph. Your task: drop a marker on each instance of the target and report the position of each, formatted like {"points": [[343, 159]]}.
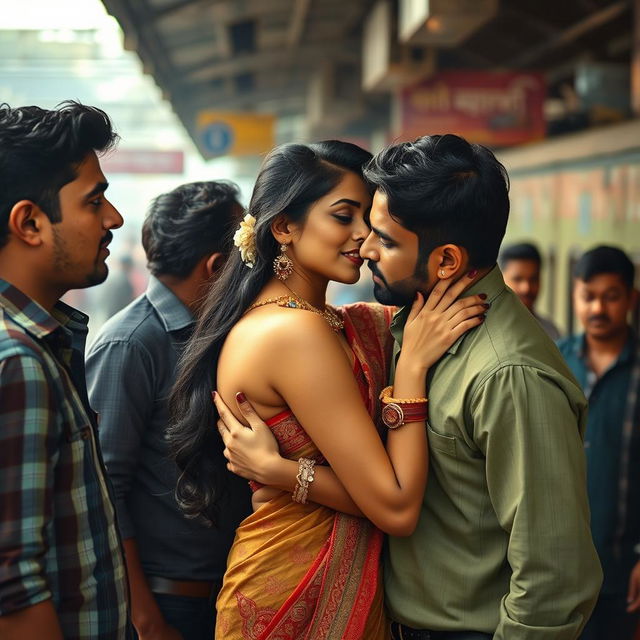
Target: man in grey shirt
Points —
{"points": [[175, 565]]}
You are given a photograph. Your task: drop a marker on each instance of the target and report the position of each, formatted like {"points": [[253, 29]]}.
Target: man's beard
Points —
{"points": [[398, 294], [62, 262]]}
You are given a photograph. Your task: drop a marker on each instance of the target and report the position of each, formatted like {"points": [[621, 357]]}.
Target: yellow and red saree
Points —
{"points": [[306, 572]]}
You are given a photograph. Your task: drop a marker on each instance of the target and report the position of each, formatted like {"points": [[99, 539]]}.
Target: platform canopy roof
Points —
{"points": [[260, 55]]}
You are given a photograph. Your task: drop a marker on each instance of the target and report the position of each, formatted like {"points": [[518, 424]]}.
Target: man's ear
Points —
{"points": [[282, 229], [448, 260], [213, 264], [27, 222]]}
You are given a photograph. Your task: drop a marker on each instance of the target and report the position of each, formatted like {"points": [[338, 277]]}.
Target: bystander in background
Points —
{"points": [[62, 571], [520, 265], [175, 565], [605, 359]]}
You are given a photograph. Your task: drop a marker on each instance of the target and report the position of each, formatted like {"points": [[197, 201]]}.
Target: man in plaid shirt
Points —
{"points": [[62, 572]]}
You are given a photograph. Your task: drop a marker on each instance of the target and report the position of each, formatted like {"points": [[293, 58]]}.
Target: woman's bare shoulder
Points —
{"points": [[269, 352], [278, 327]]}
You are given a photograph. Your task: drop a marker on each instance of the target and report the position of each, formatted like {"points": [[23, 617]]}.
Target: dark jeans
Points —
{"points": [[610, 620], [194, 618]]}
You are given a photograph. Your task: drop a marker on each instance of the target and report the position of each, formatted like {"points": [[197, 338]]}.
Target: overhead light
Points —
{"points": [[443, 23], [434, 24]]}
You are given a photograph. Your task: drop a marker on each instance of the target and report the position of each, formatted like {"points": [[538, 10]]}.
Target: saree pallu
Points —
{"points": [[303, 571]]}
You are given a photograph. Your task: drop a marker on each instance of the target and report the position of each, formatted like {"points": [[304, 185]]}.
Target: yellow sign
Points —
{"points": [[224, 133]]}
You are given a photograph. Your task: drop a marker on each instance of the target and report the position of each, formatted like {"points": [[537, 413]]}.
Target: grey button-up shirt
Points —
{"points": [[131, 367]]}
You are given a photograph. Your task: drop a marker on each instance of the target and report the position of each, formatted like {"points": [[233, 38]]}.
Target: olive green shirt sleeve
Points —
{"points": [[525, 425]]}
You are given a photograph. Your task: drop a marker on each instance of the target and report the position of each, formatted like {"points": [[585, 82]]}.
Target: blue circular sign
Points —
{"points": [[216, 138]]}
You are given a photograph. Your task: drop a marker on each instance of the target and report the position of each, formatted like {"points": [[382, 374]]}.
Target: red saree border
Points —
{"points": [[350, 581], [283, 615], [345, 576]]}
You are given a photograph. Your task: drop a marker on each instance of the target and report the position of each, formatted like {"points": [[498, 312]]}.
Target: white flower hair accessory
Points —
{"points": [[245, 239]]}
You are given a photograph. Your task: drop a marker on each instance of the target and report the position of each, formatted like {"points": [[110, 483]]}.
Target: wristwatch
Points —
{"points": [[398, 411]]}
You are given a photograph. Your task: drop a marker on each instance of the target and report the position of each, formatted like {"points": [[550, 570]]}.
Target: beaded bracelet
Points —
{"points": [[306, 472]]}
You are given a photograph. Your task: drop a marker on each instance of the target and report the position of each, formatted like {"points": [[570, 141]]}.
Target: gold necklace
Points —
{"points": [[294, 301]]}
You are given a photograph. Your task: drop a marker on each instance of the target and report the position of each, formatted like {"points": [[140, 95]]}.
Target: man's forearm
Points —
{"points": [[37, 621]]}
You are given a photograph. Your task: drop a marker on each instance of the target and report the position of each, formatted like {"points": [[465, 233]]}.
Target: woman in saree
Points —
{"points": [[306, 563]]}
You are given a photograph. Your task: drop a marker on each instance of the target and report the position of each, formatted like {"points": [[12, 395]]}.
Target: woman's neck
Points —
{"points": [[311, 290]]}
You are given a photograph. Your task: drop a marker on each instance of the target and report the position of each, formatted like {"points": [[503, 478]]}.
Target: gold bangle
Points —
{"points": [[306, 472], [386, 397]]}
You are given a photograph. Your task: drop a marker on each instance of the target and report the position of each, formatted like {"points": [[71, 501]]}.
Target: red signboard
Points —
{"points": [[143, 161], [492, 108]]}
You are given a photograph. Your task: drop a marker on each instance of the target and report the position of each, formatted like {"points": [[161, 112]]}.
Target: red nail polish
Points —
{"points": [[482, 296], [472, 274], [213, 396], [241, 397]]}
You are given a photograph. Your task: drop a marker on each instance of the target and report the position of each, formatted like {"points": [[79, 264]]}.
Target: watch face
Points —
{"points": [[392, 415]]}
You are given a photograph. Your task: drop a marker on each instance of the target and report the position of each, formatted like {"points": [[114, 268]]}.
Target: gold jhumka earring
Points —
{"points": [[283, 265]]}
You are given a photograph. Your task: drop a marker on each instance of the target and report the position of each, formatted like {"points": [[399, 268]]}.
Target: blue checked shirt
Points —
{"points": [[58, 539]]}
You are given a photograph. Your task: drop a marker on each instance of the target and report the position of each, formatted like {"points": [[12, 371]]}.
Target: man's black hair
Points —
{"points": [[40, 150], [520, 251], [188, 223], [605, 259], [446, 191]]}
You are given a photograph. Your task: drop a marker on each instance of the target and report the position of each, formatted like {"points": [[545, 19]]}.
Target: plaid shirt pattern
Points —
{"points": [[58, 538]]}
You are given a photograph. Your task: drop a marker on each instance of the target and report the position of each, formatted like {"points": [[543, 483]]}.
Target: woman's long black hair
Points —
{"points": [[291, 179]]}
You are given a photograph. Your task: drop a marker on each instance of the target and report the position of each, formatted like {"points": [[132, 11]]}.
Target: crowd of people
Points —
{"points": [[431, 466]]}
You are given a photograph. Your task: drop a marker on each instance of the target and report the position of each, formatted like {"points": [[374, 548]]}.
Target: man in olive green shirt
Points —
{"points": [[502, 548]]}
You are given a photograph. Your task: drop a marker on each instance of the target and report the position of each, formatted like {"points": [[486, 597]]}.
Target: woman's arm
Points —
{"points": [[253, 454], [386, 485]]}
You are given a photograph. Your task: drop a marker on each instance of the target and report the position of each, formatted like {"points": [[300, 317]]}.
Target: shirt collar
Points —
{"points": [[174, 315], [626, 356], [491, 284], [35, 319]]}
